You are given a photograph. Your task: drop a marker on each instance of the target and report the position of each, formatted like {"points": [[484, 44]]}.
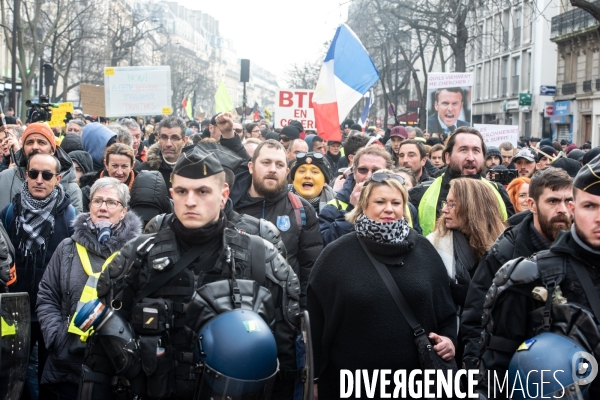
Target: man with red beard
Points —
{"points": [[268, 197], [465, 156], [550, 191]]}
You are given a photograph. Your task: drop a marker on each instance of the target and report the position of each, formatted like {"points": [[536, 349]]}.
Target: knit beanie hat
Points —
{"points": [[71, 142], [43, 129]]}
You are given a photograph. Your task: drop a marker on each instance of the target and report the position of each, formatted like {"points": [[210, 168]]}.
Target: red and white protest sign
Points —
{"points": [[294, 104], [494, 135]]}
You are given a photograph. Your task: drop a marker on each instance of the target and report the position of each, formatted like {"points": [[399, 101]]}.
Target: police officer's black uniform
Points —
{"points": [[525, 299], [142, 263]]}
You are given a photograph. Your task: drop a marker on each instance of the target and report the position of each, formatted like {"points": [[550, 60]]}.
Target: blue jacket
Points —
{"points": [[95, 139], [332, 218], [28, 275]]}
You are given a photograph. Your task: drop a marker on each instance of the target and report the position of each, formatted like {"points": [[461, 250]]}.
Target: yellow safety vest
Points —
{"points": [[89, 291], [428, 205]]}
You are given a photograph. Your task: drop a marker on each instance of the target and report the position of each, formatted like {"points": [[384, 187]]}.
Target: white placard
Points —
{"points": [[137, 91], [494, 135], [294, 104]]}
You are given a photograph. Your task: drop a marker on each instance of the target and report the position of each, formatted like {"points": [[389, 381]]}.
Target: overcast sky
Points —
{"points": [[276, 33]]}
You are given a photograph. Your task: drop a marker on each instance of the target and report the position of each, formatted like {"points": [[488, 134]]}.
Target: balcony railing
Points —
{"points": [[569, 88], [572, 21], [587, 86]]}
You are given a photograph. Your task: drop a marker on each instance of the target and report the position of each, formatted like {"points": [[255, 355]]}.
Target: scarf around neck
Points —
{"points": [[193, 237], [383, 232], [35, 222]]}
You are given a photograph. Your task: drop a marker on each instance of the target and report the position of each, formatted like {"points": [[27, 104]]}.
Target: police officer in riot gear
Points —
{"points": [[555, 291], [169, 284]]}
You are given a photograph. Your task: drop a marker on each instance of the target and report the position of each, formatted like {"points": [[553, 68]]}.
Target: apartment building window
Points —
{"points": [[516, 73], [504, 87], [487, 92], [495, 72], [480, 42], [517, 26], [567, 68], [497, 32], [505, 27], [526, 71], [489, 34], [589, 59], [478, 83], [527, 22]]}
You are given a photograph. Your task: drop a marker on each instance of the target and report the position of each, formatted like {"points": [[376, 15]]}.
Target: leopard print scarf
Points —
{"points": [[383, 232]]}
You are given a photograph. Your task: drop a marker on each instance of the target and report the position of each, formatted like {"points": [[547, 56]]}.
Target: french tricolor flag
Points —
{"points": [[348, 72]]}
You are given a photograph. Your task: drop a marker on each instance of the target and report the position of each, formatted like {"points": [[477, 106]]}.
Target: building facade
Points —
{"points": [[512, 55]]}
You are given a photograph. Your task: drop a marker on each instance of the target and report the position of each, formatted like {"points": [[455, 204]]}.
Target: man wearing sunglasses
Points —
{"points": [[37, 220], [39, 138]]}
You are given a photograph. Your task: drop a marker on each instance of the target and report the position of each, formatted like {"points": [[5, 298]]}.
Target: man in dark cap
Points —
{"points": [[194, 250], [492, 157], [287, 134], [554, 289], [524, 162]]}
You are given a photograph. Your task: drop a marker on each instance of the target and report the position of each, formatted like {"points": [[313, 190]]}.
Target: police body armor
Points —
{"points": [[166, 322], [551, 315]]}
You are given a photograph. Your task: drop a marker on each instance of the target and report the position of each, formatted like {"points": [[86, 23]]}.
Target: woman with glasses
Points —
{"points": [[356, 324], [70, 280], [464, 232], [518, 191], [119, 160]]}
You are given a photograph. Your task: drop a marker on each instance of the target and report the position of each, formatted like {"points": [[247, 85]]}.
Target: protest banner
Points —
{"points": [[449, 101], [92, 99], [137, 91], [294, 104], [494, 135], [59, 114]]}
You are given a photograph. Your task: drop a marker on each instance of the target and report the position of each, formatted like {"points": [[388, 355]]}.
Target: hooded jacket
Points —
{"points": [[155, 162], [303, 245], [332, 217], [149, 191], [95, 139], [11, 180], [84, 160], [30, 269], [71, 142], [61, 287]]}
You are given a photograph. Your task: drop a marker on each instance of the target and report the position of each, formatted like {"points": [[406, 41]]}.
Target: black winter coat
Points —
{"points": [[62, 286], [149, 192], [513, 243], [355, 322], [29, 274], [303, 245]]}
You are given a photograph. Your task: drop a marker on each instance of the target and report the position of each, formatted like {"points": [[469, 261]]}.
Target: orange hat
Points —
{"points": [[42, 129]]}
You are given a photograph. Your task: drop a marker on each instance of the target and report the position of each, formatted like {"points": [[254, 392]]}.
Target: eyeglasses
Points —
{"points": [[46, 175], [256, 131], [165, 138], [111, 204], [365, 170], [450, 204], [303, 155], [284, 138], [380, 177]]}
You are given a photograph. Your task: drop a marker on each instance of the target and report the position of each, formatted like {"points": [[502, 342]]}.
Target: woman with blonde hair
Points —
{"points": [[350, 304], [465, 231], [518, 192]]}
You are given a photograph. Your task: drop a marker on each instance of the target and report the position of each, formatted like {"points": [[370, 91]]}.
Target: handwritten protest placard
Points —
{"points": [[92, 99], [494, 135], [59, 114], [137, 91]]}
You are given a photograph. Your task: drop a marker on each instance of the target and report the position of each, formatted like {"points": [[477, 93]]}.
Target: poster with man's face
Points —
{"points": [[448, 102]]}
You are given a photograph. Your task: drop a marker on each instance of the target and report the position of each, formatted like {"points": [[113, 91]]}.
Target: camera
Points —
{"points": [[40, 111], [503, 176]]}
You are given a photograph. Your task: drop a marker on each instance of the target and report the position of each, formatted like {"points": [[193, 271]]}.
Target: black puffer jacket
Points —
{"points": [[513, 243], [150, 196], [303, 245], [62, 286]]}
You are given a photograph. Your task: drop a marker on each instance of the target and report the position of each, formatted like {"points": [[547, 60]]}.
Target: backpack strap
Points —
{"points": [[298, 210]]}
